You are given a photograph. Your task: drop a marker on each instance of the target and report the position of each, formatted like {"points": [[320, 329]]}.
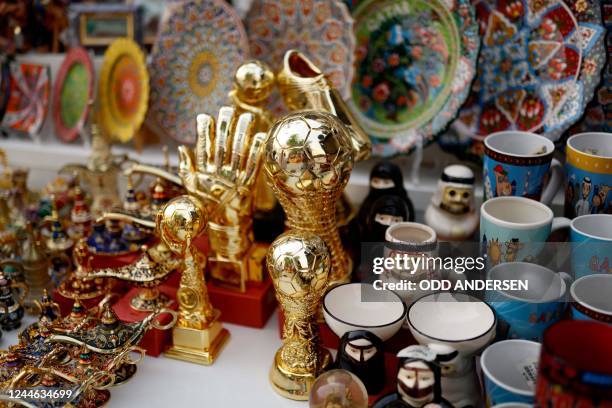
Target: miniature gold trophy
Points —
{"points": [[198, 336], [299, 264], [308, 162]]}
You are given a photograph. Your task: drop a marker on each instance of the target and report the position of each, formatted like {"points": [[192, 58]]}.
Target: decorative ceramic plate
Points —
{"points": [[415, 63], [123, 90], [598, 115], [199, 46], [539, 66], [5, 87], [321, 29], [29, 98], [72, 93]]}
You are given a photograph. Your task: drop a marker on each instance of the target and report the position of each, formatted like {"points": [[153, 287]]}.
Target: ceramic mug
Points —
{"points": [[518, 164], [575, 368], [414, 240], [516, 228], [591, 238], [510, 371], [525, 314], [588, 174], [455, 326], [592, 298]]}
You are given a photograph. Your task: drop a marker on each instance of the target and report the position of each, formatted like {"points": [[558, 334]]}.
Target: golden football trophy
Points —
{"points": [[304, 87], [299, 265], [308, 162], [198, 336]]}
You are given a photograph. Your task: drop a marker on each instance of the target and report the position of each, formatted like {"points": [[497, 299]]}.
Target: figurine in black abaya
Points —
{"points": [[361, 352], [418, 381], [385, 179], [385, 211]]}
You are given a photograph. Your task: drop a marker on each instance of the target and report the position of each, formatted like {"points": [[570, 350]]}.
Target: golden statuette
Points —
{"points": [[308, 162], [299, 265], [304, 87], [198, 336]]}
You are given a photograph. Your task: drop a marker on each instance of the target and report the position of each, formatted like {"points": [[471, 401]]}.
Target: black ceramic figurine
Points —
{"points": [[385, 211], [385, 179], [11, 309], [362, 353], [418, 381]]}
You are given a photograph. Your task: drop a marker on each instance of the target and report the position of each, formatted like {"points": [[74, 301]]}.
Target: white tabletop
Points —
{"points": [[239, 377]]}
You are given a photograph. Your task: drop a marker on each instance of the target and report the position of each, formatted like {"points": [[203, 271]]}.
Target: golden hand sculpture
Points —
{"points": [[221, 173], [309, 159], [299, 265]]}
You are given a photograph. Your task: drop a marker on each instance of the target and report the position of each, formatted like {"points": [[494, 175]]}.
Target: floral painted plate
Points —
{"points": [[5, 87], [199, 46], [72, 93], [321, 29], [539, 65], [29, 98], [123, 90], [415, 63]]}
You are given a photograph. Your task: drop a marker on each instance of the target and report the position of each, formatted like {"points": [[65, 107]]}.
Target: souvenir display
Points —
{"points": [[591, 299], [456, 327], [385, 179], [73, 94], [591, 237], [338, 388], [588, 170], [29, 98], [418, 381], [304, 86], [412, 75], [539, 65], [575, 374], [518, 164], [363, 326], [322, 29], [199, 46], [510, 369], [516, 228], [525, 314], [452, 212], [299, 264], [5, 86], [308, 161], [11, 303], [199, 335], [123, 90]]}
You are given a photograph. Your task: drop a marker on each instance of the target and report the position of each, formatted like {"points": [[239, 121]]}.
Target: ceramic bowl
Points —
{"points": [[460, 321], [358, 306]]}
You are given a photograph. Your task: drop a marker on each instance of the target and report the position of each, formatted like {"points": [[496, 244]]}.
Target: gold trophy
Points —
{"points": [[304, 87], [299, 265], [308, 162], [198, 336]]}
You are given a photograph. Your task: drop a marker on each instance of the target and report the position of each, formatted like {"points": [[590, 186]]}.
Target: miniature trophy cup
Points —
{"points": [[198, 336], [308, 162], [299, 265]]}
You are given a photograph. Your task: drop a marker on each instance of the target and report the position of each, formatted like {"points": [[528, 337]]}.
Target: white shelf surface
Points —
{"points": [[239, 378]]}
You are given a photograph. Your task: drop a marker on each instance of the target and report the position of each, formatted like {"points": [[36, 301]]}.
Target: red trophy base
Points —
{"points": [[251, 308], [154, 341]]}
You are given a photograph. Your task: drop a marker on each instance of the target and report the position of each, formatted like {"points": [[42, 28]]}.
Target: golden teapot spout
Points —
{"points": [[120, 215], [154, 171]]}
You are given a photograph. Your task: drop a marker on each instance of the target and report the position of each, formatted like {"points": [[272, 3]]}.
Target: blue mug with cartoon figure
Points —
{"points": [[520, 164], [526, 313], [515, 229], [591, 240], [588, 174], [592, 298]]}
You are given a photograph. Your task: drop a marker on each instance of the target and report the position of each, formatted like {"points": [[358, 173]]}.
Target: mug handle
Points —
{"points": [[554, 183], [560, 223], [568, 282]]}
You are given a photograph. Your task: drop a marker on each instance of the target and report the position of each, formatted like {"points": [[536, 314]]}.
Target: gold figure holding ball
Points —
{"points": [[198, 336], [299, 265]]}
